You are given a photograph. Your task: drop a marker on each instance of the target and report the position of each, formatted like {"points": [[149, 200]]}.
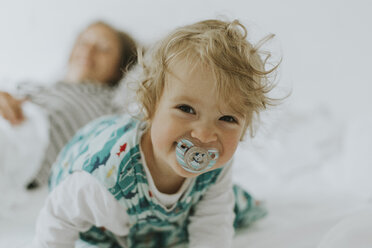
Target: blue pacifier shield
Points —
{"points": [[193, 158]]}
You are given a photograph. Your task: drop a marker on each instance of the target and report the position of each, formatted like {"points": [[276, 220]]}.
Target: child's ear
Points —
{"points": [[148, 125]]}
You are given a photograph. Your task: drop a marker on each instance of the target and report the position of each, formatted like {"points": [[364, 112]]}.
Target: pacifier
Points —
{"points": [[193, 158]]}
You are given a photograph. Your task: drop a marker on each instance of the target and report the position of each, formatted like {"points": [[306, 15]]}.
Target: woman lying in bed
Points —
{"points": [[99, 58]]}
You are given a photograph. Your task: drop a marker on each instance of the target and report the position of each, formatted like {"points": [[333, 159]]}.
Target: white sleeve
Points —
{"points": [[74, 206], [212, 223]]}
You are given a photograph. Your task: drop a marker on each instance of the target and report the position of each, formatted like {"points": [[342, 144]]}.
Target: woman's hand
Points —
{"points": [[11, 108]]}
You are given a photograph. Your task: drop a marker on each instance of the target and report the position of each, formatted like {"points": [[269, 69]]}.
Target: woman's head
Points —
{"points": [[101, 54], [239, 71]]}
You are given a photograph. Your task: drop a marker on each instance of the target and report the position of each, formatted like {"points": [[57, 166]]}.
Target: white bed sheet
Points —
{"points": [[310, 169]]}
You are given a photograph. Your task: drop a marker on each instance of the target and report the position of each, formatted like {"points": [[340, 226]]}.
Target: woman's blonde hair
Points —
{"points": [[241, 78]]}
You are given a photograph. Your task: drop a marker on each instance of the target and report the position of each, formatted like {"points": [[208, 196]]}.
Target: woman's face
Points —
{"points": [[95, 55]]}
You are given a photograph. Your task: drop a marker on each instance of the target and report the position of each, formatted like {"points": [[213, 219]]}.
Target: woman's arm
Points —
{"points": [[74, 206], [212, 223]]}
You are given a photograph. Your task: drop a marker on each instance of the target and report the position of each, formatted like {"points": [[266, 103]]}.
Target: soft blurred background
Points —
{"points": [[326, 45], [311, 158]]}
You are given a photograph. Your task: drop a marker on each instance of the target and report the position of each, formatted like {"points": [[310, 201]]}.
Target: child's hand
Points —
{"points": [[11, 108]]}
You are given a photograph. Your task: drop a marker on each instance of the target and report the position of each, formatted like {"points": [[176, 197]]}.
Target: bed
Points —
{"points": [[310, 169]]}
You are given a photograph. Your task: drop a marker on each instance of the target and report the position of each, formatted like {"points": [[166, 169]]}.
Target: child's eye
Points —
{"points": [[186, 109], [228, 118]]}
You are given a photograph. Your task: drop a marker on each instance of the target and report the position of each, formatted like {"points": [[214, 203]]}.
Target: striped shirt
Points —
{"points": [[69, 106]]}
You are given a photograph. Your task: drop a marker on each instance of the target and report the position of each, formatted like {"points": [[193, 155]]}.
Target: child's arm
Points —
{"points": [[74, 206], [212, 223]]}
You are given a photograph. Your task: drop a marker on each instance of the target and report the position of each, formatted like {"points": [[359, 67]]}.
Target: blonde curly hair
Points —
{"points": [[222, 46]]}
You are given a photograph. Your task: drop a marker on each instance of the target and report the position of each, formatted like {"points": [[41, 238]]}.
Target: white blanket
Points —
{"points": [[21, 152], [310, 169]]}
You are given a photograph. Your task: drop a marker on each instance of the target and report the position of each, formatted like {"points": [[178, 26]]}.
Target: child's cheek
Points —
{"points": [[164, 135], [230, 144]]}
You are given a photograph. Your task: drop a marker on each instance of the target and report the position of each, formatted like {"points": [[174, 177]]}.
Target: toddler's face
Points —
{"points": [[189, 107]]}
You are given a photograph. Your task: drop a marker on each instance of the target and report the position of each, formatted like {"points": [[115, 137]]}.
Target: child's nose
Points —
{"points": [[204, 134]]}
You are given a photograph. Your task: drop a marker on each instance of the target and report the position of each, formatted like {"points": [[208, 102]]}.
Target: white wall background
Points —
{"points": [[325, 44]]}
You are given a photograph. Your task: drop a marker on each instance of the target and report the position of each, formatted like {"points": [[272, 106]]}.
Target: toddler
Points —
{"points": [[163, 178]]}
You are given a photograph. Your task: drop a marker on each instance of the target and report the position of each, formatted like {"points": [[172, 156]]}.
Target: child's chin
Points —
{"points": [[184, 173]]}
